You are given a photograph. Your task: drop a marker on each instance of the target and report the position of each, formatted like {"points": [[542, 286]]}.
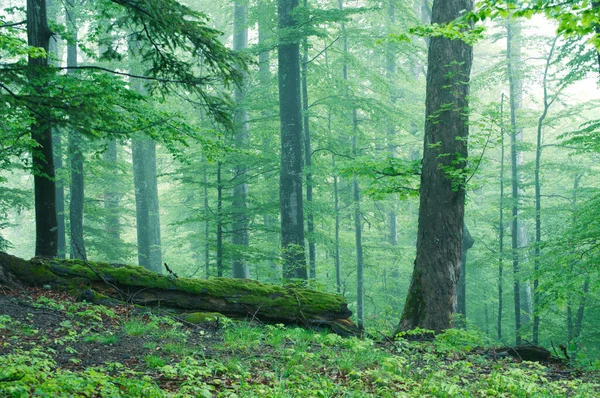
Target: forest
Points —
{"points": [[281, 198]]}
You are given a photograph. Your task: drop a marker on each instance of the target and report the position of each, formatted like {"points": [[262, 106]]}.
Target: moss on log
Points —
{"points": [[234, 298]]}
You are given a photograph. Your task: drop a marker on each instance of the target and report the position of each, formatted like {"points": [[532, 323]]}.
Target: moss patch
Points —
{"points": [[199, 317]]}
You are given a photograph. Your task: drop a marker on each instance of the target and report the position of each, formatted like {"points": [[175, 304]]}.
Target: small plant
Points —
{"points": [[104, 339], [154, 361], [137, 327]]}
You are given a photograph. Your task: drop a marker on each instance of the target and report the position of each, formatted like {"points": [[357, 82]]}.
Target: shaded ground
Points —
{"points": [[52, 345]]}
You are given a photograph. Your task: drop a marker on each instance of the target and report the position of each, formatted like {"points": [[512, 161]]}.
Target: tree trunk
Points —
{"points": [[467, 243], [432, 296], [360, 312], [336, 203], [46, 225], [219, 236], [501, 223], [145, 181], [206, 223], [77, 188], [111, 205], [391, 130], [59, 194], [235, 298], [240, 237], [290, 183], [538, 200], [515, 105], [310, 222], [57, 148], [77, 196]]}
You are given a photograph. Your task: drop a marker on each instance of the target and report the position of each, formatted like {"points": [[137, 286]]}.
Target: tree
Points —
{"points": [[77, 188], [38, 35], [432, 296], [290, 180], [240, 235]]}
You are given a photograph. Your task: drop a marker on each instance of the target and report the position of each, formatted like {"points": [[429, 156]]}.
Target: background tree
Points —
{"points": [[432, 295]]}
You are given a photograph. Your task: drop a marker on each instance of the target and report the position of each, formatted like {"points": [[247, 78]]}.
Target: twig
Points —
{"points": [[255, 312]]}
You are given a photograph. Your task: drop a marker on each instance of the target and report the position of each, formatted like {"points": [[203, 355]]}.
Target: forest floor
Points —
{"points": [[54, 346]]}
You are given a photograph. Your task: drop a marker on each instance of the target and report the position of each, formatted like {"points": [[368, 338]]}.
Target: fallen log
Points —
{"points": [[235, 298]]}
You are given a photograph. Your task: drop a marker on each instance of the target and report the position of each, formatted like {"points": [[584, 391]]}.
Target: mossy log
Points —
{"points": [[234, 298]]}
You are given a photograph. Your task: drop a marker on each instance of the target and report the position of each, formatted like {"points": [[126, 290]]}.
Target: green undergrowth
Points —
{"points": [[52, 346]]}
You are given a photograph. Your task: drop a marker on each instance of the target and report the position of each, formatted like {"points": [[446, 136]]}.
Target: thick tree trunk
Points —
{"points": [[46, 225], [290, 184], [432, 295], [235, 298], [467, 243], [240, 236]]}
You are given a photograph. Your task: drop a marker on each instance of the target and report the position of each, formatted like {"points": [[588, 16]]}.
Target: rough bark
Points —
{"points": [[46, 225], [432, 296], [235, 298], [290, 183], [240, 236], [467, 243]]}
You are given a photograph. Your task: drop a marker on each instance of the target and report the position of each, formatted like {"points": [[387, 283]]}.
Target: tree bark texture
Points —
{"points": [[432, 296], [467, 243], [240, 236], [290, 185], [235, 298], [46, 225]]}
